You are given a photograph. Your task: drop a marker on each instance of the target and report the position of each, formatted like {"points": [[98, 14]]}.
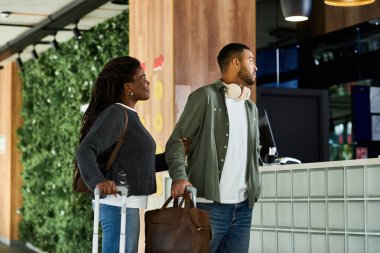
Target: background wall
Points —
{"points": [[177, 40], [151, 41], [325, 18], [55, 86], [337, 18], [10, 166], [201, 29]]}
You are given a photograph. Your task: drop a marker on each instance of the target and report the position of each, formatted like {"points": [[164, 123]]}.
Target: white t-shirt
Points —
{"points": [[132, 201], [233, 183]]}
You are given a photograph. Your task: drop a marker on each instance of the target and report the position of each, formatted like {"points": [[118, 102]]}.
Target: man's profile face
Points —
{"points": [[248, 69]]}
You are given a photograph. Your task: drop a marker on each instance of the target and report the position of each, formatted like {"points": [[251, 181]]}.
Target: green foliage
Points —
{"points": [[54, 87]]}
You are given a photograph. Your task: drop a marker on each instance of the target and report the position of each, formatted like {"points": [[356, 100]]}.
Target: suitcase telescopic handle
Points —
{"points": [[124, 193], [193, 191], [120, 189]]}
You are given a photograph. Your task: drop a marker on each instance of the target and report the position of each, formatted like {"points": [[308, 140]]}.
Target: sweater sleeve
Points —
{"points": [[160, 163], [187, 127], [102, 136]]}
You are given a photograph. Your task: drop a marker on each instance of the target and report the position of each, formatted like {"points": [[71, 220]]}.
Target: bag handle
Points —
{"points": [[119, 142], [186, 198], [189, 203]]}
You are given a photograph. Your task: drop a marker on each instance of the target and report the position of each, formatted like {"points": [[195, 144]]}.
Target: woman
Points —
{"points": [[121, 83]]}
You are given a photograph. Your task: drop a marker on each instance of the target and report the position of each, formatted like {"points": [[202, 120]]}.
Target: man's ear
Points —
{"points": [[236, 63]]}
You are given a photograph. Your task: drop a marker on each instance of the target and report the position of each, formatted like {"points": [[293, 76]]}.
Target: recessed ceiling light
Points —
{"points": [[77, 33], [19, 61], [124, 2], [34, 54], [54, 44], [5, 14]]}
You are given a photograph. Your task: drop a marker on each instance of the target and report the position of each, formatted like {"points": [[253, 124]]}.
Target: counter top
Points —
{"points": [[331, 164]]}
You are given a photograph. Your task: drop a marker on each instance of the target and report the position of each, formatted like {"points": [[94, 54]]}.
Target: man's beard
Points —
{"points": [[246, 77]]}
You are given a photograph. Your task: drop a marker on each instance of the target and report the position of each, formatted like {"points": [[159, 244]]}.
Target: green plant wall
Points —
{"points": [[54, 218]]}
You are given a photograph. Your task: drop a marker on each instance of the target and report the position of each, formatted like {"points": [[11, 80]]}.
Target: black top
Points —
{"points": [[136, 157]]}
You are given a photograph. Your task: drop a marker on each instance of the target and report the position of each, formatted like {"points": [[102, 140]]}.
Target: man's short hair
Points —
{"points": [[228, 52]]}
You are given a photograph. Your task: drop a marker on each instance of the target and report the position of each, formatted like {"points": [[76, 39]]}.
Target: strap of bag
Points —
{"points": [[119, 142], [185, 198]]}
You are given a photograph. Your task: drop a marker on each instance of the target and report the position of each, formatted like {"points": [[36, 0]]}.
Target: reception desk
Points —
{"points": [[318, 207], [313, 207]]}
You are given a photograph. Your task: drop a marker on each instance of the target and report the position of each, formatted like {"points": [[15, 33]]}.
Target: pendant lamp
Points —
{"points": [[296, 10], [348, 3]]}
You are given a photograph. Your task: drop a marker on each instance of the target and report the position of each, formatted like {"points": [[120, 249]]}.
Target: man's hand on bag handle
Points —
{"points": [[107, 187], [178, 187]]}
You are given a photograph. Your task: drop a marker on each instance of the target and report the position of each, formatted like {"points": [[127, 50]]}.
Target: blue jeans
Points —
{"points": [[230, 226], [109, 217]]}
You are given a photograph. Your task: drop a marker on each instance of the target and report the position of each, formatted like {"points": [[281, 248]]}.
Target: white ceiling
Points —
{"points": [[31, 12]]}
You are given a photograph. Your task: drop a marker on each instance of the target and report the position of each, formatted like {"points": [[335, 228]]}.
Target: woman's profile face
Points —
{"points": [[140, 86]]}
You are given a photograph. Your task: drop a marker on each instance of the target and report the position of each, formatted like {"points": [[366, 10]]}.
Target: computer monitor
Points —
{"points": [[267, 141], [299, 121], [266, 137]]}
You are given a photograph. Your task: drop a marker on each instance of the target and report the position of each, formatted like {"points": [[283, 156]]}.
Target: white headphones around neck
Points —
{"points": [[235, 91]]}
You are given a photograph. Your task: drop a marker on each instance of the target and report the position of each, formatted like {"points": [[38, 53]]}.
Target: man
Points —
{"points": [[221, 123]]}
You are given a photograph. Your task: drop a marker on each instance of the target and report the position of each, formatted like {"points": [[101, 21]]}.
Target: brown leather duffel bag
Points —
{"points": [[177, 229]]}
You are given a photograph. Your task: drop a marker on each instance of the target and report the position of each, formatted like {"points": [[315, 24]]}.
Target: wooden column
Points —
{"points": [[10, 166], [151, 41], [188, 35], [201, 29], [178, 41]]}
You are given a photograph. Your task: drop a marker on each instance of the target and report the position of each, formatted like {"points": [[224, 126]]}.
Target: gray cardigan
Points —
{"points": [[136, 157]]}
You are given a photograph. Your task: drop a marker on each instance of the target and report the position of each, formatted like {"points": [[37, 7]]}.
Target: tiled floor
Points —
{"points": [[14, 249]]}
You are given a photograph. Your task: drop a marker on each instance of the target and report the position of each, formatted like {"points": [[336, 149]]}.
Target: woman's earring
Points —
{"points": [[130, 93]]}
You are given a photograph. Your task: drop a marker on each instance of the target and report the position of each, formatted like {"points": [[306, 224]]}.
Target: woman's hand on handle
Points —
{"points": [[107, 187]]}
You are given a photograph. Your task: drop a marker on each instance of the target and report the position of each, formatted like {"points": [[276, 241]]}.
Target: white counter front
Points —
{"points": [[318, 207]]}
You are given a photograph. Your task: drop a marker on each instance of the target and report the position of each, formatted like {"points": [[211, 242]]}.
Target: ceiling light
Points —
{"points": [[348, 3], [77, 33], [296, 10], [19, 61], [5, 14], [54, 44], [122, 2], [34, 54]]}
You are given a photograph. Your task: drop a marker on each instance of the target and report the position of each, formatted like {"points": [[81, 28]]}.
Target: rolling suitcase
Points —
{"points": [[178, 229], [95, 236]]}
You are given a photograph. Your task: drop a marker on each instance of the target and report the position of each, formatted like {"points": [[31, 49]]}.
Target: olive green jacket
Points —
{"points": [[205, 122]]}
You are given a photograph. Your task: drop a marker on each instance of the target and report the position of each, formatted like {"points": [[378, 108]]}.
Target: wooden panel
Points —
{"points": [[151, 40], [5, 154], [10, 166], [341, 17], [201, 29], [16, 180], [316, 23]]}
